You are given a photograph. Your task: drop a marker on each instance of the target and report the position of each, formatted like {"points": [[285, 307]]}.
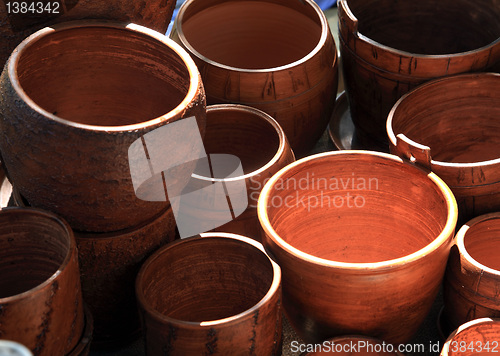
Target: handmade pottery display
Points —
{"points": [[390, 47], [215, 294], [479, 337], [276, 55], [352, 230]]}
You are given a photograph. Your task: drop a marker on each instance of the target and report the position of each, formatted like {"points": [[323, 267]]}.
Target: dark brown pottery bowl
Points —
{"points": [[276, 55], [41, 303], [389, 47], [74, 99], [362, 239], [479, 337], [218, 294]]}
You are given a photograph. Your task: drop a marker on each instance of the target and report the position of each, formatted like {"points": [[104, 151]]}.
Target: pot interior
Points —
{"points": [[479, 339], [32, 248], [252, 34], [356, 208], [103, 76], [482, 242], [428, 27], [457, 118], [206, 279]]}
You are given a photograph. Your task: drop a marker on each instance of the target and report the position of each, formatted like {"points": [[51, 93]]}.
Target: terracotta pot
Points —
{"points": [[354, 345], [41, 303], [276, 55], [472, 278], [362, 239], [218, 294], [390, 47], [66, 142], [451, 127], [475, 338], [109, 263], [16, 26], [262, 147]]}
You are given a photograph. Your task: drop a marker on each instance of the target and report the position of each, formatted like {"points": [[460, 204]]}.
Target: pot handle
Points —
{"points": [[414, 152], [348, 23]]}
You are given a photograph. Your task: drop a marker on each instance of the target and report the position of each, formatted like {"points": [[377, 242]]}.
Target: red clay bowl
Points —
{"points": [[479, 337]]}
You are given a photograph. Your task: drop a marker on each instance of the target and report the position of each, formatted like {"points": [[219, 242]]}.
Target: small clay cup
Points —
{"points": [[276, 55], [355, 345], [74, 98], [362, 239], [472, 277], [215, 294], [450, 126], [41, 303], [479, 337]]}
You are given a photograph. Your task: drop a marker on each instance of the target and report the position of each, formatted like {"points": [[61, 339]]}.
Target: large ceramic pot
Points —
{"points": [[479, 337], [218, 294], [276, 55], [20, 19], [41, 303], [450, 126], [472, 278], [75, 101], [389, 47], [362, 239]]}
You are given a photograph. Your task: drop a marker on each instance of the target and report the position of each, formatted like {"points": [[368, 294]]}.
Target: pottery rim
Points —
{"points": [[390, 117], [137, 29], [262, 115], [398, 52], [273, 289], [71, 247], [463, 327], [447, 231], [325, 32]]}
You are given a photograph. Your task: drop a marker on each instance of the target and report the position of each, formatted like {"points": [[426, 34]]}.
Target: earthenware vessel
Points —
{"points": [[450, 126], [355, 345], [362, 239], [71, 123], [474, 338], [276, 55], [391, 47], [216, 294]]}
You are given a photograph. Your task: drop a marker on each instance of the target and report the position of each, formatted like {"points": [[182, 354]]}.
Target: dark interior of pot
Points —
{"points": [[103, 76], [244, 134], [480, 340], [32, 248], [482, 242], [456, 118], [252, 34], [428, 27], [357, 208], [207, 279]]}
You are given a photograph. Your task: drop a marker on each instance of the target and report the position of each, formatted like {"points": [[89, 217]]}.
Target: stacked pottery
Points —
{"points": [[76, 99]]}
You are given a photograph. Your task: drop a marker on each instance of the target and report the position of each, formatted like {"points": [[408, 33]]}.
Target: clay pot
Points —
{"points": [[15, 26], [262, 147], [475, 338], [362, 239], [473, 274], [41, 303], [390, 47], [215, 294], [276, 55], [355, 345], [450, 126], [109, 263], [70, 123]]}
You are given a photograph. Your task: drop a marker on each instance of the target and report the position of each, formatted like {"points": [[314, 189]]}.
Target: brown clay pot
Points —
{"points": [[16, 26], [450, 126], [109, 263], [215, 294], [41, 303], [68, 121], [479, 337], [259, 142], [362, 239], [354, 345], [276, 55], [389, 47], [472, 279]]}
